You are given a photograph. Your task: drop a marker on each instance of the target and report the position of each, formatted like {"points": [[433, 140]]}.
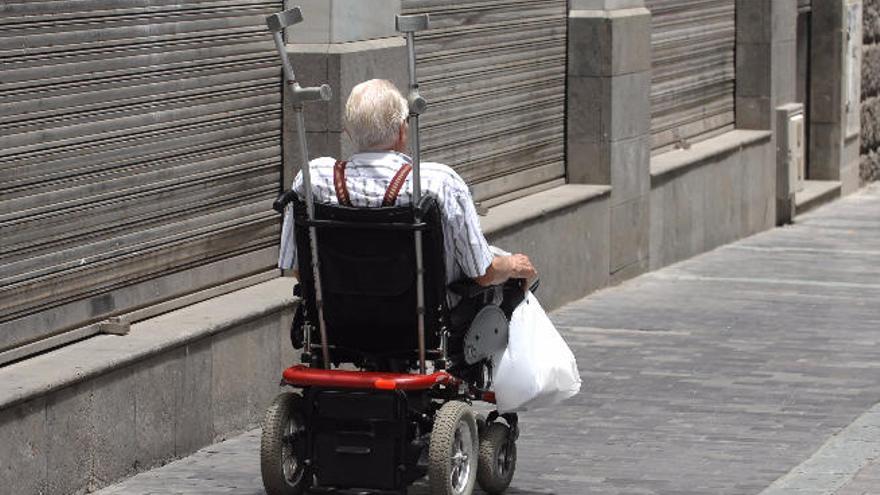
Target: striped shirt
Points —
{"points": [[367, 177]]}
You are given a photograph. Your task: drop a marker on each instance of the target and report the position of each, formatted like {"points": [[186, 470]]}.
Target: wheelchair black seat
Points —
{"points": [[367, 262]]}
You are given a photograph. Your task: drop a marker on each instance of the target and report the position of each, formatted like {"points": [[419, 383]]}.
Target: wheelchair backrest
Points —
{"points": [[368, 276]]}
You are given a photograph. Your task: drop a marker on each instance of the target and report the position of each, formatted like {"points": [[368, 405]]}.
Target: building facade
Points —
{"points": [[143, 145]]}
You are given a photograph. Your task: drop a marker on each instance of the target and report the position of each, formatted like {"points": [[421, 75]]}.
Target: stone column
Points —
{"points": [[766, 80], [766, 60], [341, 43], [609, 118], [834, 73]]}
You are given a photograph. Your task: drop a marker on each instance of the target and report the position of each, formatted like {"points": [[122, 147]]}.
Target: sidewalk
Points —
{"points": [[757, 362]]}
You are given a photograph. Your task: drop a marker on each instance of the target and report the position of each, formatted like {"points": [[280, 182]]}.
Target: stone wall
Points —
{"points": [[870, 150]]}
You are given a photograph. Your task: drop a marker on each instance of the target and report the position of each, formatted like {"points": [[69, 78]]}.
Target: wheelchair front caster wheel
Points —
{"points": [[452, 454], [497, 458], [282, 447]]}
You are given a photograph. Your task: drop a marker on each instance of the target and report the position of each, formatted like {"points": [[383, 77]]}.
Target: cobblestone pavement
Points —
{"points": [[757, 362]]}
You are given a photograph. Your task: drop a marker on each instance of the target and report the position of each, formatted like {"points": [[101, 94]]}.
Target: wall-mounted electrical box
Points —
{"points": [[790, 158]]}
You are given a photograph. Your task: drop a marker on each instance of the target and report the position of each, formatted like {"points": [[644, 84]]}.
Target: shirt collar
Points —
{"points": [[369, 157]]}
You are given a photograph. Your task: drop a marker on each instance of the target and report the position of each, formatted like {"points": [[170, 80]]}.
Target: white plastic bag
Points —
{"points": [[537, 369]]}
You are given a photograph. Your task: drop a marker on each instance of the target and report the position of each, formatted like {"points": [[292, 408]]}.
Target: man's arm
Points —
{"points": [[503, 268]]}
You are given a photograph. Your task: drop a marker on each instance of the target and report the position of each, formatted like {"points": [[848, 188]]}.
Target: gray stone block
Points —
{"points": [[722, 200], [677, 224], [341, 21], [759, 188], [629, 232], [754, 112], [159, 387], [91, 433], [826, 76], [69, 443], [621, 164], [849, 171], [609, 43], [783, 20], [753, 21], [753, 69], [589, 43], [194, 427], [23, 450], [113, 427], [588, 162], [630, 102], [826, 150], [629, 164], [245, 374], [589, 109], [784, 72], [608, 108], [827, 15]]}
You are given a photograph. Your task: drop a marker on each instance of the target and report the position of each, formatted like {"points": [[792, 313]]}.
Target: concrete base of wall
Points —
{"points": [[718, 191]]}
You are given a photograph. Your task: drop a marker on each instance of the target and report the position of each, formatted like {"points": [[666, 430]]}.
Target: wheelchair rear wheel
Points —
{"points": [[497, 458], [452, 454], [281, 447]]}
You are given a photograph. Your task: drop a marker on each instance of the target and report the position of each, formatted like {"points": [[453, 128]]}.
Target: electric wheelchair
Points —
{"points": [[400, 406]]}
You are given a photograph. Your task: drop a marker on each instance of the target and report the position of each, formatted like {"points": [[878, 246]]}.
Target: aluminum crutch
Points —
{"points": [[409, 25], [277, 23]]}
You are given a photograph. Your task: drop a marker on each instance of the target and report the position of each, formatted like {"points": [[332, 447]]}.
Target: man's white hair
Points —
{"points": [[374, 113]]}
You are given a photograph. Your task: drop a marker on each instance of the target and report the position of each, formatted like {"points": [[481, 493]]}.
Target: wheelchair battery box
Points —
{"points": [[359, 439]]}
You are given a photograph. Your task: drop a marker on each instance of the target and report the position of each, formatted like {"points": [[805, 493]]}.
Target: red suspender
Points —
{"points": [[390, 194], [395, 185], [339, 183]]}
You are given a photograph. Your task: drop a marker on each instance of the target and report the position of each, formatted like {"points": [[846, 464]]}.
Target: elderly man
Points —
{"points": [[376, 121]]}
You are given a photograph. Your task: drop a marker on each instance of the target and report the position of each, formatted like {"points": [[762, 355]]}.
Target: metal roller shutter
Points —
{"points": [[692, 81], [139, 153], [493, 73]]}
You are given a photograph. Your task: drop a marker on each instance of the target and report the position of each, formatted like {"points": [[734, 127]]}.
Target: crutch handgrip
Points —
{"points": [[417, 104], [281, 20], [314, 93], [411, 23]]}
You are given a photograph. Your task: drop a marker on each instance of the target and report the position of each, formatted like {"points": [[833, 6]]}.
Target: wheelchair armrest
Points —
{"points": [[468, 289], [283, 200]]}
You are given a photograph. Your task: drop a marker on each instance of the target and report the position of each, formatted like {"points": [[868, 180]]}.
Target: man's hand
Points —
{"points": [[506, 267], [522, 268]]}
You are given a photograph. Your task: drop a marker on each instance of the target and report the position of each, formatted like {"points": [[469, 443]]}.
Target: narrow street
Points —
{"points": [[754, 368]]}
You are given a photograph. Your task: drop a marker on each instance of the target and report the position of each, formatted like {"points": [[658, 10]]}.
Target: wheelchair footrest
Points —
{"points": [[303, 376]]}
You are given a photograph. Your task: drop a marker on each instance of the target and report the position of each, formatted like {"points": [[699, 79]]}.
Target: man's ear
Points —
{"points": [[402, 141]]}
